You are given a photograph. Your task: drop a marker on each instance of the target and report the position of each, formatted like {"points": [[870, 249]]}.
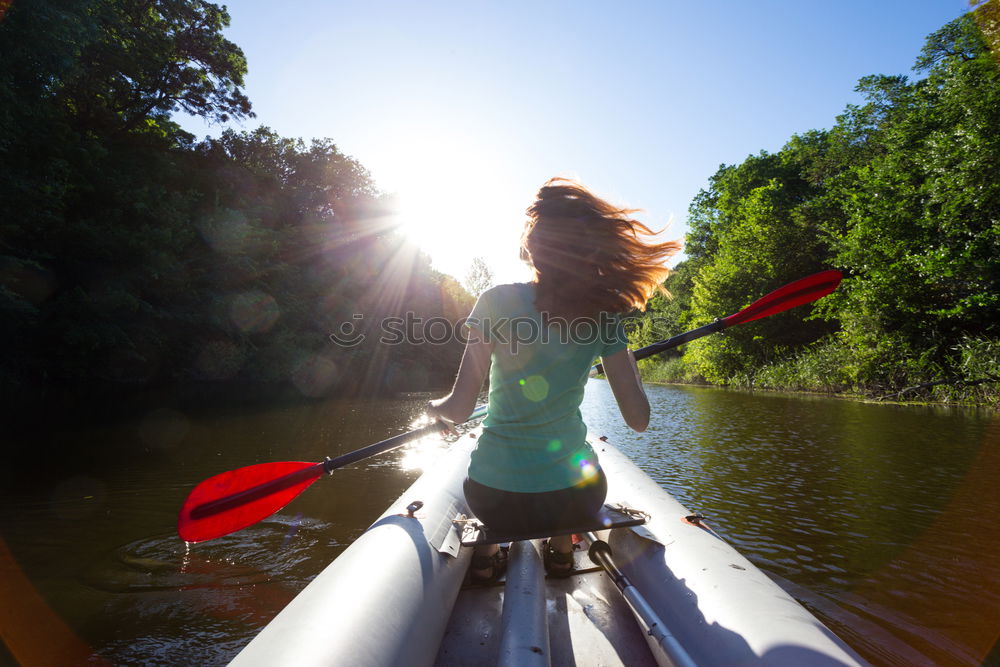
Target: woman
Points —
{"points": [[532, 469]]}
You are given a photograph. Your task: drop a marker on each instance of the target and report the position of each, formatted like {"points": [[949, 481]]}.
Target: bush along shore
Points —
{"points": [[825, 368]]}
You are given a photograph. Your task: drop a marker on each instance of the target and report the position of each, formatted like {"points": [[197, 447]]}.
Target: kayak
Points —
{"points": [[667, 591]]}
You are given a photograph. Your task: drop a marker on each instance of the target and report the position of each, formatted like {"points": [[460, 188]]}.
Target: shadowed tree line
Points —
{"points": [[903, 195], [135, 260]]}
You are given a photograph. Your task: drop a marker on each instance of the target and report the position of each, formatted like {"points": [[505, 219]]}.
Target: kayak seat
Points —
{"points": [[475, 533]]}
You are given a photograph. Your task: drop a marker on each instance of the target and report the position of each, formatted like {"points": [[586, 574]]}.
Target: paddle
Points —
{"points": [[239, 498], [797, 293]]}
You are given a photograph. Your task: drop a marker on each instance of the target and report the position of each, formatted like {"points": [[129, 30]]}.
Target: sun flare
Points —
{"points": [[428, 219], [452, 199]]}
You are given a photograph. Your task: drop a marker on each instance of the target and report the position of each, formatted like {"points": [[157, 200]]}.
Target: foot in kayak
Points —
{"points": [[488, 566], [558, 556]]}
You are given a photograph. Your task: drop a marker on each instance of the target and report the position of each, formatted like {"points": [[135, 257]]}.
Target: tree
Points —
{"points": [[754, 230], [922, 239], [901, 194], [987, 15], [479, 278], [132, 257], [150, 59]]}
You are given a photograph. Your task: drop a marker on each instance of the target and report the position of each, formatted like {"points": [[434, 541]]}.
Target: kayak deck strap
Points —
{"points": [[475, 533]]}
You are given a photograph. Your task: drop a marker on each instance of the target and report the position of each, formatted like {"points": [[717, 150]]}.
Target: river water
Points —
{"points": [[881, 519]]}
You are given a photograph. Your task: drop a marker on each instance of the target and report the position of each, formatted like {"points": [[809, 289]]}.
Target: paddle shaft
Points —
{"points": [[745, 315], [831, 279], [670, 343], [679, 339], [379, 447], [286, 481], [600, 553]]}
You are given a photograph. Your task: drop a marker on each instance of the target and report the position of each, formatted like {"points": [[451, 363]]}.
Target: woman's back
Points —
{"points": [[534, 438]]}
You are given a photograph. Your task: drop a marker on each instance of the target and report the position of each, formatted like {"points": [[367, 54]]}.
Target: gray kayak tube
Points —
{"points": [[387, 598], [395, 596], [720, 607]]}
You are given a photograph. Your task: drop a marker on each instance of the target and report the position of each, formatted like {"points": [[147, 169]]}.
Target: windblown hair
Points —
{"points": [[590, 256]]}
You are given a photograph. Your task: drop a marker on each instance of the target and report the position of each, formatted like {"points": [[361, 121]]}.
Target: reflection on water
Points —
{"points": [[95, 536], [421, 454], [880, 519]]}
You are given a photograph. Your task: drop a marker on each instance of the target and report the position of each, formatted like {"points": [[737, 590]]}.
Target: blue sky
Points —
{"points": [[465, 109]]}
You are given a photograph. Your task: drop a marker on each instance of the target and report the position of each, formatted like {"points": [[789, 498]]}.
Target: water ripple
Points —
{"points": [[875, 517]]}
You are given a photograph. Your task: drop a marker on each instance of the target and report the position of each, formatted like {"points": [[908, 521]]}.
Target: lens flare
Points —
{"points": [[535, 388]]}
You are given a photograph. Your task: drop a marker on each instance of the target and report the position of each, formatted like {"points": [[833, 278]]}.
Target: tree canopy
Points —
{"points": [[137, 260], [902, 195]]}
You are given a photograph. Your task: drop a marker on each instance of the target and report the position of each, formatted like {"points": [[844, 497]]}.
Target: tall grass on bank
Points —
{"points": [[970, 374], [669, 370]]}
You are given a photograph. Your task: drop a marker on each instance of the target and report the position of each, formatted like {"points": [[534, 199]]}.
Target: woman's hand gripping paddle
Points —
{"points": [[239, 498]]}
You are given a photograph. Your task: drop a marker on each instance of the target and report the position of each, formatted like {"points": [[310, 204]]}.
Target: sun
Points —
{"points": [[452, 199], [438, 197], [431, 220]]}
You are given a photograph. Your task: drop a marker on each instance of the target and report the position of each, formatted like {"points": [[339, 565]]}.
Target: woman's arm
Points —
{"points": [[626, 384], [459, 404]]}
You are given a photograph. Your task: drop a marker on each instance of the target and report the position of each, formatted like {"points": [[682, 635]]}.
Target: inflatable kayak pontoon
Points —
{"points": [[671, 592]]}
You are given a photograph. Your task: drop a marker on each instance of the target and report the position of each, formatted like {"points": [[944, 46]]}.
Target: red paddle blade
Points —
{"points": [[238, 498], [805, 290]]}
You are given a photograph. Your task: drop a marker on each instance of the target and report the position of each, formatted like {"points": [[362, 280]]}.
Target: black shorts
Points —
{"points": [[544, 511]]}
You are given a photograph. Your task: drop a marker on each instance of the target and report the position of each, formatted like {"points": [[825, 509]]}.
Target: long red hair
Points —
{"points": [[589, 256]]}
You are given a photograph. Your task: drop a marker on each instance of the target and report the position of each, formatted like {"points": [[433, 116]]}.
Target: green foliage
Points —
{"points": [[669, 370], [977, 361], [823, 366], [971, 373], [923, 233], [764, 234], [132, 257], [667, 314], [902, 195]]}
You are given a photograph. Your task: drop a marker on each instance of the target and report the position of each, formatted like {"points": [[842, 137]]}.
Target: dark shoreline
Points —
{"points": [[60, 409], [847, 396]]}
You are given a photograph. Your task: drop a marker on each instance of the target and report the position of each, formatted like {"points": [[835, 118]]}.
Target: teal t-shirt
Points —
{"points": [[534, 438]]}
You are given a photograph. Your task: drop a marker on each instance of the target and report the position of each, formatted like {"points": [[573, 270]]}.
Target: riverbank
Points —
{"points": [[991, 402], [33, 414], [968, 376], [844, 395]]}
